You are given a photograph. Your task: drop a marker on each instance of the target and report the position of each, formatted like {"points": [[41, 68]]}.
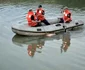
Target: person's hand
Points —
{"points": [[38, 21]]}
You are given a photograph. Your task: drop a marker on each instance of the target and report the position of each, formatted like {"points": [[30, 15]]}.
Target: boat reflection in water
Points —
{"points": [[35, 44], [65, 41]]}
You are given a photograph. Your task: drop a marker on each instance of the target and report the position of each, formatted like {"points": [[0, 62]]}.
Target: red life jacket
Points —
{"points": [[30, 22], [40, 14], [67, 16]]}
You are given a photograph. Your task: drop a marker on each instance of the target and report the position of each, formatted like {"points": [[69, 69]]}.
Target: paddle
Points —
{"points": [[63, 23], [64, 27]]}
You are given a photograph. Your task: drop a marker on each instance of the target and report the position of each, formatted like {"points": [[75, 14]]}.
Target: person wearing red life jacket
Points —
{"points": [[31, 18], [40, 12], [67, 15]]}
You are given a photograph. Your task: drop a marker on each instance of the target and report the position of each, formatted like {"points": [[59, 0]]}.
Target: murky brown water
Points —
{"points": [[47, 53]]}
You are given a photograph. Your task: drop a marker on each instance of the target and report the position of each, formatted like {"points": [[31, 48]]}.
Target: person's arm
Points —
{"points": [[36, 21], [68, 20]]}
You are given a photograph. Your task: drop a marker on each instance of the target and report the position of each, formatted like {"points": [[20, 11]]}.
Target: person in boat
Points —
{"points": [[66, 16], [32, 20], [40, 12]]}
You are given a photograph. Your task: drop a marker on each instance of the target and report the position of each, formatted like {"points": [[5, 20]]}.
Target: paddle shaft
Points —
{"points": [[64, 27]]}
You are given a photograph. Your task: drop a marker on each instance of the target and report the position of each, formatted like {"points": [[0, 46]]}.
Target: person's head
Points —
{"points": [[65, 8], [40, 6], [30, 10]]}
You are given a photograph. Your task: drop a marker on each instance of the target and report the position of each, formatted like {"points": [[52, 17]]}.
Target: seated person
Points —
{"points": [[66, 16], [31, 18]]}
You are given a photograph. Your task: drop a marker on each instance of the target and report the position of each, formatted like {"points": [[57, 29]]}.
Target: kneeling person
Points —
{"points": [[66, 16], [40, 15]]}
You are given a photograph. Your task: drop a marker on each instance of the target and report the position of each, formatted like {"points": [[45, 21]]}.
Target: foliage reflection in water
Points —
{"points": [[69, 3]]}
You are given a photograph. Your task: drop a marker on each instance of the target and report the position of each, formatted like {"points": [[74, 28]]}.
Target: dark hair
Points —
{"points": [[39, 6], [30, 9]]}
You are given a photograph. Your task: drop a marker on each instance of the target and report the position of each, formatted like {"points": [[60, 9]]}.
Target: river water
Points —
{"points": [[62, 51]]}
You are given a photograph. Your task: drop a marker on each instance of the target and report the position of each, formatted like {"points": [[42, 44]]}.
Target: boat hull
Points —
{"points": [[24, 29]]}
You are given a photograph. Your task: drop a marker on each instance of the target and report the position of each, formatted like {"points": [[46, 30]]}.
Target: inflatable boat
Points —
{"points": [[24, 29]]}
